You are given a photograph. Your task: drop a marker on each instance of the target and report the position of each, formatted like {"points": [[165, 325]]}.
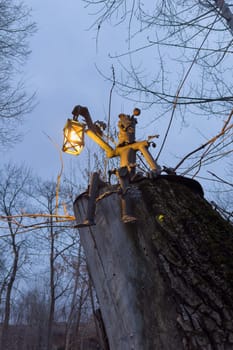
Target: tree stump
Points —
{"points": [[165, 282]]}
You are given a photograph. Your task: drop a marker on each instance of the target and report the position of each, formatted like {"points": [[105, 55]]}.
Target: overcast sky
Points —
{"points": [[61, 69]]}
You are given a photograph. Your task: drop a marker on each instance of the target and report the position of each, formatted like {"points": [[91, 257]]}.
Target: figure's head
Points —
{"points": [[136, 112]]}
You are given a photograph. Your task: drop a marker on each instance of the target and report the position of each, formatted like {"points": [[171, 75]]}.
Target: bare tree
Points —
{"points": [[14, 181], [77, 300], [59, 245], [175, 60], [15, 29], [222, 195], [193, 28], [61, 302]]}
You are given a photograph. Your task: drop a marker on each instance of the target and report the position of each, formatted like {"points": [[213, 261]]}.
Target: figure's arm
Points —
{"points": [[94, 130], [84, 112]]}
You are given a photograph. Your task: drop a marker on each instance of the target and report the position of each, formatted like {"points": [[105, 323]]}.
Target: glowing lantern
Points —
{"points": [[73, 137]]}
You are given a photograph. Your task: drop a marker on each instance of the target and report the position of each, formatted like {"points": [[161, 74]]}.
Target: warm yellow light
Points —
{"points": [[73, 137]]}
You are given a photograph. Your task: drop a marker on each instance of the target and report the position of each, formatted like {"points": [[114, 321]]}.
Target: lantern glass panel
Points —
{"points": [[73, 137]]}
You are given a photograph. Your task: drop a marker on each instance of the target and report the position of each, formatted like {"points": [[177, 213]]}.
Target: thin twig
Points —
{"points": [[180, 88], [110, 100], [109, 116], [211, 141], [220, 179], [59, 174]]}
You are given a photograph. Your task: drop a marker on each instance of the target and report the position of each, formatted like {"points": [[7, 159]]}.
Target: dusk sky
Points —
{"points": [[62, 71]]}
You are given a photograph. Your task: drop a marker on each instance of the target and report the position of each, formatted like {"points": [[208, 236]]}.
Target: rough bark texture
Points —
{"points": [[165, 282]]}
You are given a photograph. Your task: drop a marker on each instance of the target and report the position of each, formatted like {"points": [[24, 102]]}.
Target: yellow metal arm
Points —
{"points": [[96, 138]]}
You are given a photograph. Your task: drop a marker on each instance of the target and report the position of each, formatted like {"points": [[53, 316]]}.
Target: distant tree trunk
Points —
{"points": [[71, 316], [52, 286], [76, 335], [165, 282], [9, 287]]}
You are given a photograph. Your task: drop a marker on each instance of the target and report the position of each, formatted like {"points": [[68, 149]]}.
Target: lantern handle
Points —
{"points": [[84, 112]]}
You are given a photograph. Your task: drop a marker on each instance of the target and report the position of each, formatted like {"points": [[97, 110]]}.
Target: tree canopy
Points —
{"points": [[175, 59]]}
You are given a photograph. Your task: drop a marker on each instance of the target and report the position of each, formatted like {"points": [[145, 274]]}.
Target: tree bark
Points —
{"points": [[165, 282], [225, 12]]}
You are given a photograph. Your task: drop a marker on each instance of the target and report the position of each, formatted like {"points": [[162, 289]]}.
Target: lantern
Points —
{"points": [[73, 137]]}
